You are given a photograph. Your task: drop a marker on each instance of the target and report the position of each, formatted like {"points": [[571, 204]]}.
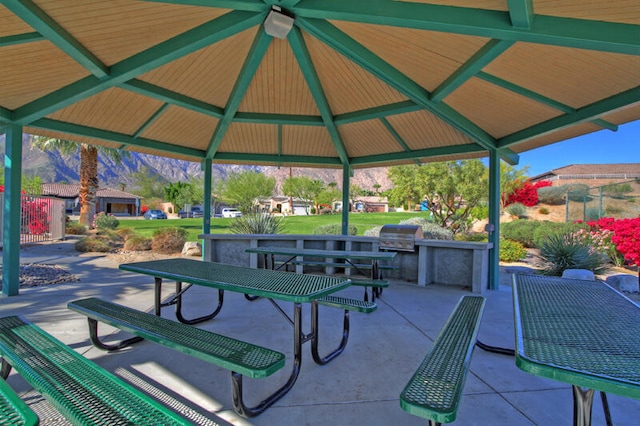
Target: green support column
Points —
{"points": [[346, 177], [206, 220], [11, 222], [494, 219]]}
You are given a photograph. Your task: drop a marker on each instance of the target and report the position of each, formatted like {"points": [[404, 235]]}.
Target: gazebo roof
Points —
{"points": [[357, 83]]}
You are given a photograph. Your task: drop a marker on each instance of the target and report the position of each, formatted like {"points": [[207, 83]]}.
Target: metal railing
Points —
{"points": [[41, 219]]}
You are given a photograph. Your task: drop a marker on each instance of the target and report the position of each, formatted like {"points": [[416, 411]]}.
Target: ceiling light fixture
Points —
{"points": [[277, 24]]}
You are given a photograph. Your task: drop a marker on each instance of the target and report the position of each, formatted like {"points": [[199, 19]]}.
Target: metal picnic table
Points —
{"points": [[580, 332], [272, 285]]}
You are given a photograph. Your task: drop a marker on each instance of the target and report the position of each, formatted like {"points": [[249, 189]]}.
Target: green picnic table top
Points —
{"points": [[297, 288], [580, 332]]}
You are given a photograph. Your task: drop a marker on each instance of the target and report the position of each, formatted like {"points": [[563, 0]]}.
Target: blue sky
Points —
{"points": [[602, 147]]}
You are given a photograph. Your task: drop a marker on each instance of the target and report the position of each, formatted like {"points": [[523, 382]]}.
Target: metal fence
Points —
{"points": [[617, 200], [41, 219]]}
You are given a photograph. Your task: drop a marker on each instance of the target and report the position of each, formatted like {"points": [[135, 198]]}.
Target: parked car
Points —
{"points": [[155, 214], [194, 212], [229, 212]]}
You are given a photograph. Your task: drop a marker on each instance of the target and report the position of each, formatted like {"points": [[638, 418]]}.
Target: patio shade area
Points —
{"points": [[319, 83]]}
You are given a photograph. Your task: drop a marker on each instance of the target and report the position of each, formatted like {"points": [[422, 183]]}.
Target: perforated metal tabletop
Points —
{"points": [[580, 332], [259, 282]]}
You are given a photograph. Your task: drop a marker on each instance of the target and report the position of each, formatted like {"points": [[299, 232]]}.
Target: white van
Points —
{"points": [[229, 212]]}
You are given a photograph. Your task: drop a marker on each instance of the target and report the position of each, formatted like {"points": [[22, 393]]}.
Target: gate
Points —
{"points": [[41, 219]]}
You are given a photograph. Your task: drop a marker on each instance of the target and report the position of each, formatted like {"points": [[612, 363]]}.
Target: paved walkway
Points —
{"points": [[360, 387]]}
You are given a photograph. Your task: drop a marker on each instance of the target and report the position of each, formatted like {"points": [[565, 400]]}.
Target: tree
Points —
{"points": [[453, 189], [246, 188], [304, 188], [88, 169], [406, 188]]}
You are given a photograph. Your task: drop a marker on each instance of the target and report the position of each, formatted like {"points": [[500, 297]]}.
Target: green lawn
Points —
{"points": [[292, 224]]}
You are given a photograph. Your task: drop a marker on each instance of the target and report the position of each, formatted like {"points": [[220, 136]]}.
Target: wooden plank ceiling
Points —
{"points": [[359, 83]]}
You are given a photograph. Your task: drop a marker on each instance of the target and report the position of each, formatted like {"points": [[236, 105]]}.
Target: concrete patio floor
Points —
{"points": [[360, 387]]}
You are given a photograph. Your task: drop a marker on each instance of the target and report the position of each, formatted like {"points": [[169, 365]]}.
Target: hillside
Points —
{"points": [[54, 168]]}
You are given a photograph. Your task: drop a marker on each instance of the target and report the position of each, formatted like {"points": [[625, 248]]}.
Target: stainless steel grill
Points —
{"points": [[399, 237]]}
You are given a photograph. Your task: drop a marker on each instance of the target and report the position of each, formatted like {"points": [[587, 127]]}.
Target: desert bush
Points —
{"points": [[257, 224], [577, 191], [522, 231], [592, 213], [475, 237], [335, 229], [553, 195], [74, 228], [543, 210], [561, 252], [126, 233], [104, 220], [511, 251], [430, 230], [94, 243], [169, 240], [516, 210], [373, 232], [559, 228], [137, 243], [612, 210]]}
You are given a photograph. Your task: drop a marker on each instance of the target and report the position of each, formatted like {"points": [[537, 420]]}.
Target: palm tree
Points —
{"points": [[88, 168]]}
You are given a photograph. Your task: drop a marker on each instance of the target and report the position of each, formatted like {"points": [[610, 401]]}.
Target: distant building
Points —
{"points": [[112, 201], [591, 174]]}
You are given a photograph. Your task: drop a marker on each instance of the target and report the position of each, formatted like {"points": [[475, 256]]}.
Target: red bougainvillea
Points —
{"points": [[527, 194], [626, 236]]}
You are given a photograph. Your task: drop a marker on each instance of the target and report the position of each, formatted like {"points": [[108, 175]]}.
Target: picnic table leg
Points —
{"points": [[93, 335], [315, 336], [197, 320], [582, 403], [236, 378]]}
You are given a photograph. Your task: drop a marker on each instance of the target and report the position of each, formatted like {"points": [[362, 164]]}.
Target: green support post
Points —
{"points": [[494, 219], [206, 219], [346, 177], [11, 223]]}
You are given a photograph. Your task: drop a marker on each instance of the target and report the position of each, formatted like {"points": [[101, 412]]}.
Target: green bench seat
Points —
{"points": [[82, 391], [13, 410], [234, 355], [435, 390], [348, 304]]}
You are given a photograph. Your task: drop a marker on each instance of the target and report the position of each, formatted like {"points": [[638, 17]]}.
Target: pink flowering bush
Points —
{"points": [[625, 236], [527, 194], [600, 240]]}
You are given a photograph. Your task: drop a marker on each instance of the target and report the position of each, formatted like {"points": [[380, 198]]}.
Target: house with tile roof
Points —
{"points": [[591, 174], [112, 201]]}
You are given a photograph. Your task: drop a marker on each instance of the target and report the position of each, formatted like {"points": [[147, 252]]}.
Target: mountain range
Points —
{"points": [[52, 167]]}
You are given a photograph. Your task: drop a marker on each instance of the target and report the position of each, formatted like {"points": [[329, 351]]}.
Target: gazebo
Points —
{"points": [[310, 83]]}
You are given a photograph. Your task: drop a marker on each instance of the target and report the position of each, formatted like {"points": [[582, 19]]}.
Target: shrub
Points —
{"points": [[104, 220], [561, 252], [75, 228], [137, 243], [430, 230], [592, 213], [528, 194], [169, 240], [543, 210], [257, 224], [476, 237], [522, 231], [612, 210], [373, 232], [511, 251], [516, 210], [547, 228], [335, 229], [94, 243], [126, 233], [553, 195], [577, 191]]}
